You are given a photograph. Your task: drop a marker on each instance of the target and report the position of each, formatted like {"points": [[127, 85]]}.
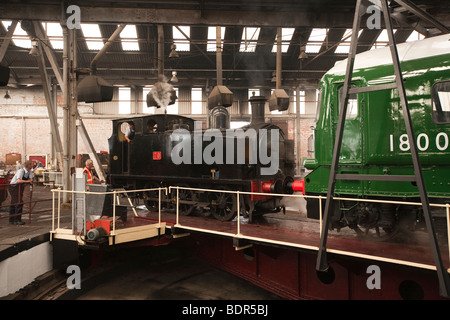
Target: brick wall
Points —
{"points": [[26, 127]]}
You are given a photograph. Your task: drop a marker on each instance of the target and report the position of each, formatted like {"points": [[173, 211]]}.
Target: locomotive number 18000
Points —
{"points": [[423, 142]]}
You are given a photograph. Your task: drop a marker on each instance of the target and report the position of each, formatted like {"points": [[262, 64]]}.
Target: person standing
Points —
{"points": [[91, 178], [130, 132], [16, 189]]}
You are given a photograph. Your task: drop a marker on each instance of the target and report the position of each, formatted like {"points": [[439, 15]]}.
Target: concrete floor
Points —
{"points": [[39, 223]]}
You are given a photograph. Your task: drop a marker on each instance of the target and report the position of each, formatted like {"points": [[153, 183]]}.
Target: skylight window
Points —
{"points": [[211, 45], [250, 37], [344, 47], [382, 40], [128, 38], [415, 36], [315, 40], [20, 38], [180, 40], [286, 37], [54, 34], [92, 35]]}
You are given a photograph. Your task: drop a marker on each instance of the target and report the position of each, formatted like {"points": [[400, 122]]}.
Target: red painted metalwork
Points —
{"points": [[258, 187], [27, 200], [156, 155], [291, 273], [266, 186], [3, 189], [299, 186]]}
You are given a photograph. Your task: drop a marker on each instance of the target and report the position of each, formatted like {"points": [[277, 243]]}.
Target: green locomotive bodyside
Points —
{"points": [[374, 139]]}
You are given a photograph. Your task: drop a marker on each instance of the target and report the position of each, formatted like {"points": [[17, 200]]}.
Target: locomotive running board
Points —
{"points": [[322, 264]]}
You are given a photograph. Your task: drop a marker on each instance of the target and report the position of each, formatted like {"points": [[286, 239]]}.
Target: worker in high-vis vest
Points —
{"points": [[91, 178]]}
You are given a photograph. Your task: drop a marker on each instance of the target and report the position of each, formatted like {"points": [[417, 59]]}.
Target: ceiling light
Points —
{"points": [[303, 54], [7, 96], [173, 53], [34, 48], [174, 77]]}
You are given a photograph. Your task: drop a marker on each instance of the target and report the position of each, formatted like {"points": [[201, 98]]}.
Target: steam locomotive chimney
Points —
{"points": [[258, 105]]}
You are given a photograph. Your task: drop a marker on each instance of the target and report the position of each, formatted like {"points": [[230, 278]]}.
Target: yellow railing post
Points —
{"points": [[447, 208], [159, 205], [320, 215], [238, 214], [114, 212], [178, 213]]}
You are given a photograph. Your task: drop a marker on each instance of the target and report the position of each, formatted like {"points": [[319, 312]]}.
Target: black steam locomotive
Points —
{"points": [[171, 150]]}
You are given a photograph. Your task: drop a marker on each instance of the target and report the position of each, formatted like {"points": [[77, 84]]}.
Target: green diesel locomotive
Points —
{"points": [[375, 139]]}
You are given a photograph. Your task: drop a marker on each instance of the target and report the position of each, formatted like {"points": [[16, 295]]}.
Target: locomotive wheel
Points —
{"points": [[372, 221], [151, 197], [377, 233], [223, 206]]}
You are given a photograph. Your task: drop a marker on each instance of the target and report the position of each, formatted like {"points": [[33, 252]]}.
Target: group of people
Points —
{"points": [[24, 175]]}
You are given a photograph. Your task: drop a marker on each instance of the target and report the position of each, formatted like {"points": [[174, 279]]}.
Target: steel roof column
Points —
{"points": [[69, 108]]}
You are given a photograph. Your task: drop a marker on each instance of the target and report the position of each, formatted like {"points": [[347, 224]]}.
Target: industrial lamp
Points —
{"points": [[303, 54], [34, 48], [274, 77], [7, 96], [174, 77], [173, 53]]}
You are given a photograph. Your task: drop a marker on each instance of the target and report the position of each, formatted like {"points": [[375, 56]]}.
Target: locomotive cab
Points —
{"points": [[375, 142]]}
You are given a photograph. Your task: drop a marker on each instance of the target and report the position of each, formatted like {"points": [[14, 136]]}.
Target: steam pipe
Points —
{"points": [[66, 134], [160, 50], [219, 55], [279, 56], [106, 47]]}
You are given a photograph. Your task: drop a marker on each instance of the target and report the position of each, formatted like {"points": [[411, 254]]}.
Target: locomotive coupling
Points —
{"points": [[272, 187], [290, 185]]}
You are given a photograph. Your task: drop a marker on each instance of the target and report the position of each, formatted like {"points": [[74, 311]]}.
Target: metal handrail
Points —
{"points": [[29, 202], [115, 193], [319, 198], [238, 233]]}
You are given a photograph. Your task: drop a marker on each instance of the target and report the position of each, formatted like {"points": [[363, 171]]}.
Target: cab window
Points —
{"points": [[440, 102], [352, 106]]}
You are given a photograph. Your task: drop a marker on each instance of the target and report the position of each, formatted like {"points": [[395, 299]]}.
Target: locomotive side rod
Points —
{"points": [[322, 264]]}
